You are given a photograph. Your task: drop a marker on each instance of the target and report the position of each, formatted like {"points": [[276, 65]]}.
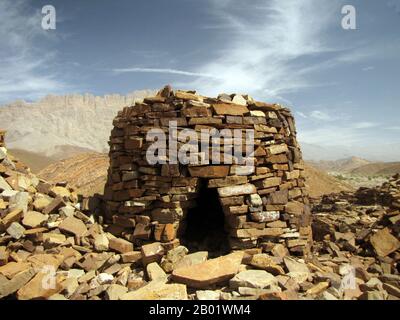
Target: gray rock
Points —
{"points": [[115, 292], [15, 230], [208, 295], [3, 153], [4, 185], [295, 266], [254, 279], [19, 201], [67, 211]]}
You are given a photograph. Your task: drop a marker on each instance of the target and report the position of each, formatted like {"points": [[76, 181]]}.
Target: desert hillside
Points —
{"points": [[87, 172], [384, 169], [342, 165], [61, 126], [320, 183]]}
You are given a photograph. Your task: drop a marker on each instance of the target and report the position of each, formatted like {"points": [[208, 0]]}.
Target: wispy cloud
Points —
{"points": [[24, 65], [369, 68], [393, 128], [264, 45], [320, 115], [161, 70], [365, 125]]}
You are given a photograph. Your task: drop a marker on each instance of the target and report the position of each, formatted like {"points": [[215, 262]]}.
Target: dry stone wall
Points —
{"points": [[262, 204], [2, 138]]}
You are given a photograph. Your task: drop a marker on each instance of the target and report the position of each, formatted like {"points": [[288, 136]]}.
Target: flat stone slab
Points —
{"points": [[156, 290], [209, 272], [253, 279], [384, 242]]}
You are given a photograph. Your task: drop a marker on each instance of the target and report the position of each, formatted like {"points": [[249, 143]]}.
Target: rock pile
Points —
{"points": [[262, 204], [366, 226]]}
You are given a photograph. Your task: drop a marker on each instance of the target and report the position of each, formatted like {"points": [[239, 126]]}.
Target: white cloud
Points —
{"points": [[320, 115], [369, 68], [24, 65], [264, 46], [393, 128], [365, 125], [330, 135], [161, 70], [302, 114]]}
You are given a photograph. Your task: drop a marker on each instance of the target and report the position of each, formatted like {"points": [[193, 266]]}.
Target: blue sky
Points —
{"points": [[342, 85]]}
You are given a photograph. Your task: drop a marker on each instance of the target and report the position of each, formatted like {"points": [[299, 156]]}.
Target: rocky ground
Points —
{"points": [[54, 246]]}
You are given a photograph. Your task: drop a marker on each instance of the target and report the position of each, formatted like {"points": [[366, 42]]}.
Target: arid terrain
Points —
{"points": [[51, 209]]}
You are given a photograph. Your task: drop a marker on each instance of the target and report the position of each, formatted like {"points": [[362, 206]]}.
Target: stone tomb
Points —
{"points": [[2, 138], [194, 200]]}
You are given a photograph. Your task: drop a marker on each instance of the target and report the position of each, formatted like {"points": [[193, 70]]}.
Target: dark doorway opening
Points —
{"points": [[205, 224]]}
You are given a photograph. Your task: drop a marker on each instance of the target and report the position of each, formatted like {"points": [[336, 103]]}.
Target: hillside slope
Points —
{"points": [[87, 172], [342, 165], [384, 168], [59, 126], [320, 182]]}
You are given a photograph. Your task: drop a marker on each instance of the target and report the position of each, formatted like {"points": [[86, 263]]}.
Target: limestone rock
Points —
{"points": [[15, 230], [115, 292], [155, 272], [33, 219], [74, 226], [253, 279], [210, 272], [208, 295], [155, 290], [384, 242], [120, 245]]}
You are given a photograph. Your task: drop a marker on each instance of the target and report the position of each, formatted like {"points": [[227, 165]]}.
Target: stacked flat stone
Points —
{"points": [[2, 138], [265, 205]]}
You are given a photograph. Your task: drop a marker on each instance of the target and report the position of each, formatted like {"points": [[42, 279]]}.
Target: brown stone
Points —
{"points": [[13, 216], [12, 268], [131, 257], [230, 109], [209, 272], [120, 245], [294, 207], [156, 290], [152, 252], [8, 287], [33, 219], [53, 207], [228, 181], [209, 171], [384, 242], [74, 226], [40, 287]]}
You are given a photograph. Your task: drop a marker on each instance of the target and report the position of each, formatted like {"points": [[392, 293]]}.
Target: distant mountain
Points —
{"points": [[342, 165], [316, 153], [61, 126], [86, 171], [319, 182], [383, 152], [378, 169]]}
